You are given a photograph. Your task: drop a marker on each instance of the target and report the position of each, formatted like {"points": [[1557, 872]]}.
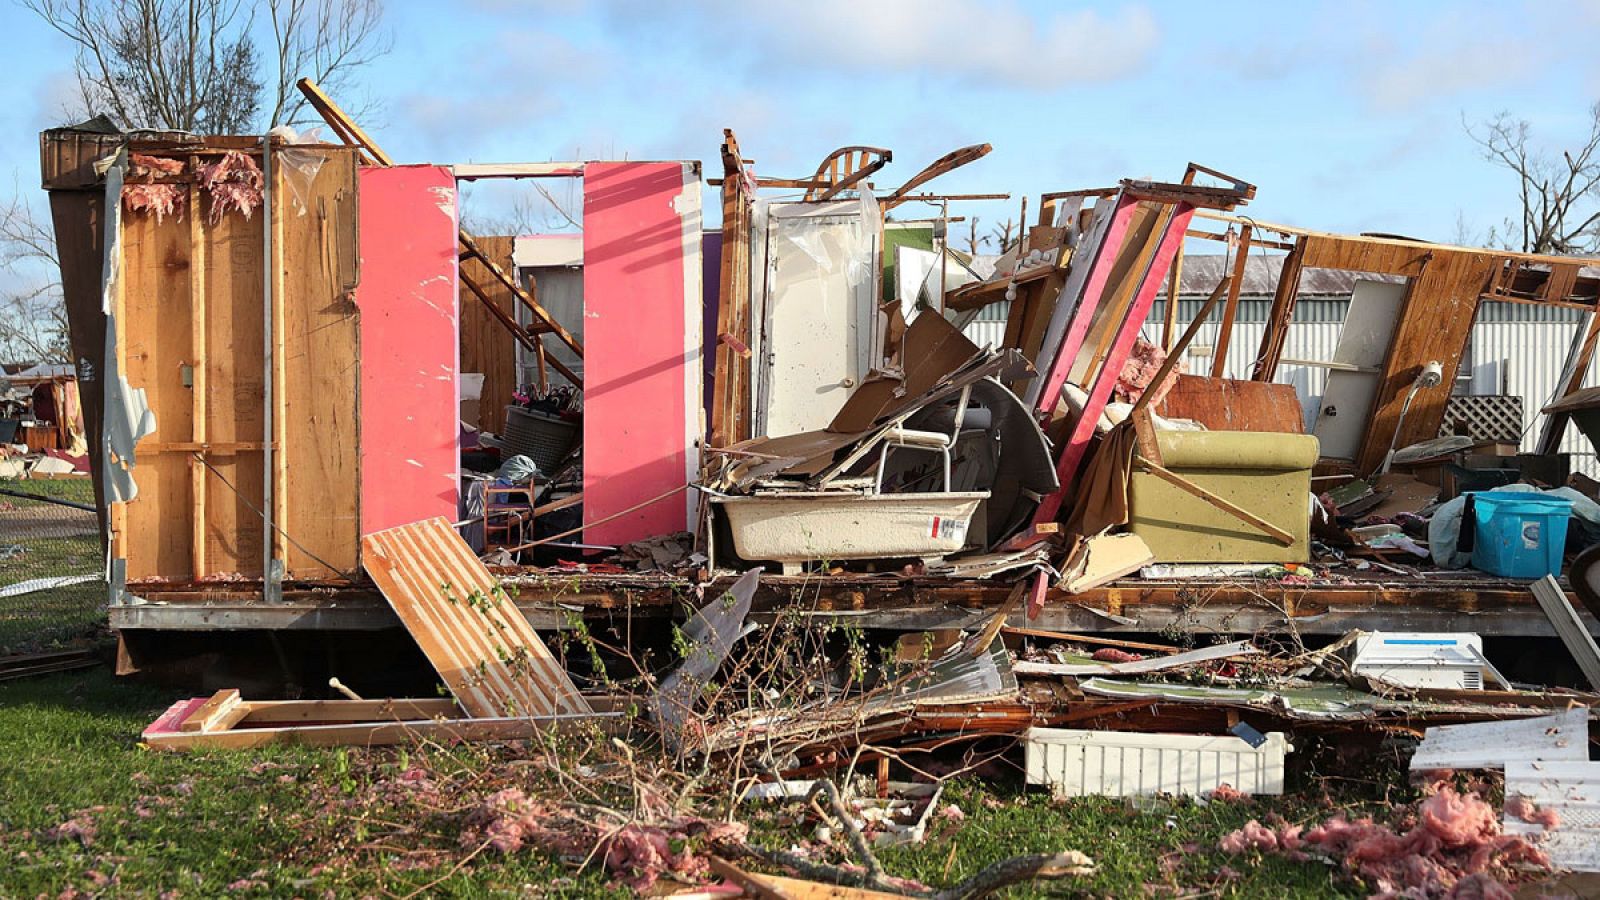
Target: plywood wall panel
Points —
{"points": [[321, 363], [156, 338], [235, 382], [486, 346]]}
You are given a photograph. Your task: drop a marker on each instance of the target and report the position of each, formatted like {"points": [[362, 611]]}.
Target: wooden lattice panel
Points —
{"points": [[1490, 417]]}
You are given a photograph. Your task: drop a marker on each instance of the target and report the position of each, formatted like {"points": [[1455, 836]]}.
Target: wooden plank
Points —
{"points": [[1276, 333], [156, 342], [730, 390], [1434, 325], [1219, 354], [276, 335], [480, 643], [486, 346], [234, 273], [1149, 279], [206, 717], [1227, 404], [1573, 372], [475, 171], [261, 713], [166, 732], [1073, 311], [1382, 245], [199, 323], [1238, 512], [320, 427]]}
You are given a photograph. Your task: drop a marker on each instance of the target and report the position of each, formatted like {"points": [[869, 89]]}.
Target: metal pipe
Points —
{"points": [[271, 577]]}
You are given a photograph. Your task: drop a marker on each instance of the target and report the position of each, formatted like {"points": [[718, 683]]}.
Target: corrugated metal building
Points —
{"points": [[1516, 348]]}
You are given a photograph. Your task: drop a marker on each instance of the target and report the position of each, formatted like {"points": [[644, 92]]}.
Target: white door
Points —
{"points": [[1357, 367], [818, 313]]}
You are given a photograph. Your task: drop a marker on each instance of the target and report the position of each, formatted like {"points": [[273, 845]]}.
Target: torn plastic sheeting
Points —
{"points": [[127, 414], [298, 165]]}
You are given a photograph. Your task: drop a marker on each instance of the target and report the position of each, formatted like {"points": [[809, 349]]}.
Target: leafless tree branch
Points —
{"points": [[1559, 194]]}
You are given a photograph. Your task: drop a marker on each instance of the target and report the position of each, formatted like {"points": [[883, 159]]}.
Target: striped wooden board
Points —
{"points": [[478, 640]]}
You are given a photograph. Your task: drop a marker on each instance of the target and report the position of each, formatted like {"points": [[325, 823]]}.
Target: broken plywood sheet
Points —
{"points": [[1104, 558], [1493, 745], [478, 640], [1563, 800]]}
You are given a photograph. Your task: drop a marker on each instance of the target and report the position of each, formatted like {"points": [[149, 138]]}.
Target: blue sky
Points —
{"points": [[1347, 115]]}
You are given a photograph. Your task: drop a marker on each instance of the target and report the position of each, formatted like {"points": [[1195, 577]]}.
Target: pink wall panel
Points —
{"points": [[409, 346], [641, 298]]}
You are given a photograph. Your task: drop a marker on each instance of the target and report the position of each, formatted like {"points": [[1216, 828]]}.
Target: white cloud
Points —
{"points": [[1445, 68], [991, 42]]}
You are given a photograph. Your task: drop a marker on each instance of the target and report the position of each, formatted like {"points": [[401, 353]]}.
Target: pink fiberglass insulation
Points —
{"points": [[162, 199], [1521, 807], [641, 362], [1144, 361], [410, 406], [234, 182], [1451, 846]]}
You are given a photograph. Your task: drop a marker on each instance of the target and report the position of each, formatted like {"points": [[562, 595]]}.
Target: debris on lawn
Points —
{"points": [[795, 536], [1447, 845]]}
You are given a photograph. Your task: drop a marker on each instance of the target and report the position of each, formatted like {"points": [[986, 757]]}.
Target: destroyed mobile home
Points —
{"points": [[314, 402]]}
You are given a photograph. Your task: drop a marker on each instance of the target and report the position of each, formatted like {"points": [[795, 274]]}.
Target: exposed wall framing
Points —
{"points": [[191, 304]]}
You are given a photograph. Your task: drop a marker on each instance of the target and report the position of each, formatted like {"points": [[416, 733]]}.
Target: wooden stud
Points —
{"points": [[277, 300], [521, 334], [955, 159], [1219, 359], [470, 244], [337, 118], [1573, 374], [199, 321], [730, 384], [1276, 333]]}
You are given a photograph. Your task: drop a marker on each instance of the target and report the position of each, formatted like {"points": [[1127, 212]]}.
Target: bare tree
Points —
{"points": [[186, 65], [33, 323], [327, 41], [1559, 194]]}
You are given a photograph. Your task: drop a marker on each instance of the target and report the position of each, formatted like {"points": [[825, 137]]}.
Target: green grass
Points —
{"points": [[65, 544], [300, 822]]}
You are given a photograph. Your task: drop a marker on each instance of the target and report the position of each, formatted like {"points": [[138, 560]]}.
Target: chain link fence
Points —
{"points": [[52, 586]]}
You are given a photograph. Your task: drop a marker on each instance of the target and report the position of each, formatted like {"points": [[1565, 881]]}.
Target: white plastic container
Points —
{"points": [[795, 527], [1127, 764]]}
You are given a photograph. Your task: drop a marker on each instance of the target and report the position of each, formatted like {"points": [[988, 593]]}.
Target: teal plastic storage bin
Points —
{"points": [[1519, 534]]}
